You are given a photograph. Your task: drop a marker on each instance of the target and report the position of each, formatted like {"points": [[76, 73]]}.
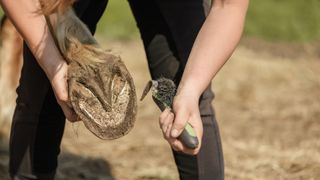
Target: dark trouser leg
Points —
{"points": [[38, 121], [90, 12], [168, 29], [158, 42]]}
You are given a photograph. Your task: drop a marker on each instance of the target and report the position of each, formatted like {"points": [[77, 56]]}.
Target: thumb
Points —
{"points": [[180, 121]]}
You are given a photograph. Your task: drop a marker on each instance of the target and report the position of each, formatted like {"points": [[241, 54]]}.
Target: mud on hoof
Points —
{"points": [[101, 89], [103, 95]]}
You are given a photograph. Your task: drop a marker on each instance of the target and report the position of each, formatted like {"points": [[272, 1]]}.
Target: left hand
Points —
{"points": [[185, 109], [59, 85]]}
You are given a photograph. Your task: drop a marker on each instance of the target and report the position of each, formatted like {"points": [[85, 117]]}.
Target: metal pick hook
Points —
{"points": [[151, 83], [146, 90], [154, 84]]}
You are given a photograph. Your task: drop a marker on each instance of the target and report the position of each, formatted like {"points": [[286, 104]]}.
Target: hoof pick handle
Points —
{"points": [[188, 136]]}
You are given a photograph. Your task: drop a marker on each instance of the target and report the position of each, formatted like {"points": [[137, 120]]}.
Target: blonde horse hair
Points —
{"points": [[54, 6], [101, 89], [10, 66]]}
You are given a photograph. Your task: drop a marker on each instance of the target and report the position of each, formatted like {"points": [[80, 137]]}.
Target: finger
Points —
{"points": [[167, 122], [196, 123], [69, 112], [60, 90], [167, 132], [163, 117], [69, 104], [178, 146], [171, 143], [175, 148], [181, 118], [74, 117]]}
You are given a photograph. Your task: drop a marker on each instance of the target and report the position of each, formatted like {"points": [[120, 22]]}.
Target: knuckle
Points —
{"points": [[194, 152], [175, 147], [171, 116], [166, 137], [72, 119], [179, 125], [161, 121], [63, 98], [162, 116], [164, 128], [176, 104], [69, 118]]}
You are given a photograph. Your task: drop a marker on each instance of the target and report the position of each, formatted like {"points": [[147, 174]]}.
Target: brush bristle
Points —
{"points": [[166, 91]]}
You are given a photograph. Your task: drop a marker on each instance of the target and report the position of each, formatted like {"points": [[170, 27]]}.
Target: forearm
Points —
{"points": [[34, 30], [214, 45]]}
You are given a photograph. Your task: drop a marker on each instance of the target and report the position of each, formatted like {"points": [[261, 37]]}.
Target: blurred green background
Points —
{"points": [[271, 20], [284, 20]]}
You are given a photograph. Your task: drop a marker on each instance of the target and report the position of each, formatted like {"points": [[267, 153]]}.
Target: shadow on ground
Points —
{"points": [[70, 167]]}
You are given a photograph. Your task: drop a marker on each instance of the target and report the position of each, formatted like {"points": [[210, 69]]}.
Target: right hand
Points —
{"points": [[58, 79], [186, 109]]}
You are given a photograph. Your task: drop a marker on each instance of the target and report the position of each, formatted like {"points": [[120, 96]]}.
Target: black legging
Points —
{"points": [[168, 29]]}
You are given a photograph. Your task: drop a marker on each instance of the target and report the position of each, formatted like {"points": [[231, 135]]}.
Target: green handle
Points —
{"points": [[188, 137]]}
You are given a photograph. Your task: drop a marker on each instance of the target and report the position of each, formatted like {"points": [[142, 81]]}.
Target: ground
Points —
{"points": [[268, 110]]}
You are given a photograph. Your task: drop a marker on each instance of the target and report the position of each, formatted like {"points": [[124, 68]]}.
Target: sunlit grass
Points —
{"points": [[284, 20], [118, 22]]}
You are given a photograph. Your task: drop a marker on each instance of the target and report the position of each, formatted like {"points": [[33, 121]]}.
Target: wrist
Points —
{"points": [[189, 89], [51, 66], [47, 55]]}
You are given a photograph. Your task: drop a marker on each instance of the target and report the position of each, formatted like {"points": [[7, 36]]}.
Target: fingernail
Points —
{"points": [[174, 133]]}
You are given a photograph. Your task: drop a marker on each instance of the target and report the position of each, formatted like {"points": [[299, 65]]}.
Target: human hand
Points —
{"points": [[58, 79], [185, 109]]}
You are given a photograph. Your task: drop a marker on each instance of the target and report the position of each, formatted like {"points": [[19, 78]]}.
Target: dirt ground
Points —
{"points": [[267, 106]]}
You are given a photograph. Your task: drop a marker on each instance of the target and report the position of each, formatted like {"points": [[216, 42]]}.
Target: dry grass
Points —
{"points": [[269, 112], [268, 109]]}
